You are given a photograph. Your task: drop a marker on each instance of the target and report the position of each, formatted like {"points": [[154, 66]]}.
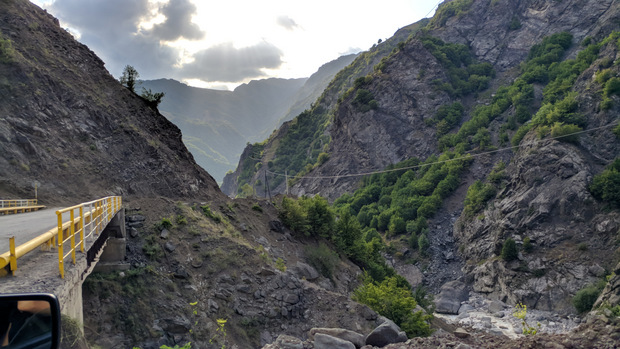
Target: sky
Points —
{"points": [[221, 44]]}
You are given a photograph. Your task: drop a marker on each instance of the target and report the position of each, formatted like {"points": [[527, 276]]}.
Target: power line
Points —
{"points": [[469, 156]]}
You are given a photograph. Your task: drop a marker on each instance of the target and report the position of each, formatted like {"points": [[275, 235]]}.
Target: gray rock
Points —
{"points": [[170, 247], [356, 338], [496, 306], [450, 297], [287, 342], [276, 226], [387, 333], [133, 232], [325, 341], [164, 234], [306, 271], [461, 333]]}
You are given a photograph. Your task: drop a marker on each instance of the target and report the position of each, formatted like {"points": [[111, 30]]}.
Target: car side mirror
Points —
{"points": [[29, 320]]}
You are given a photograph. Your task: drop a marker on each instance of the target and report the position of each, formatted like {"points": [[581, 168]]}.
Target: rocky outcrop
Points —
{"points": [[68, 124], [610, 297]]}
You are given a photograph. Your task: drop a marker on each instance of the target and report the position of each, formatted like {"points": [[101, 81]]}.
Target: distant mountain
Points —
{"points": [[217, 125]]}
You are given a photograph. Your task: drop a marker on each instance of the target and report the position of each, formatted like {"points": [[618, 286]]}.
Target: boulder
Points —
{"points": [[324, 341], [285, 342], [356, 338], [276, 226], [303, 270], [461, 333], [387, 333], [450, 297]]}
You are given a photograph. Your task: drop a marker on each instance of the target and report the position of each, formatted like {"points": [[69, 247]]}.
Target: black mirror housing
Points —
{"points": [[29, 321]]}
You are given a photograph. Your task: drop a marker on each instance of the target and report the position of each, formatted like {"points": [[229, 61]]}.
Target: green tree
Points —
{"points": [[319, 216], [130, 78], [348, 232], [509, 250]]}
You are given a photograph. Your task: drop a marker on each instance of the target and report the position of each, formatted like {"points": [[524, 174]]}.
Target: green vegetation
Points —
{"points": [[477, 196], [309, 216], [152, 99], [521, 313], [464, 74], [256, 207], [206, 210], [558, 115], [280, 265], [249, 166], [165, 223], [447, 117], [606, 185], [7, 52], [395, 302], [586, 297], [323, 259], [509, 250], [446, 10], [129, 78]]}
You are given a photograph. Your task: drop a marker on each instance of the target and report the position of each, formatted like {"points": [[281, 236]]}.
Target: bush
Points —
{"points": [[395, 302], [206, 210], [586, 297], [606, 185], [7, 52], [565, 133], [477, 196], [423, 244], [165, 223], [612, 87], [323, 259], [509, 250], [527, 245], [257, 208]]}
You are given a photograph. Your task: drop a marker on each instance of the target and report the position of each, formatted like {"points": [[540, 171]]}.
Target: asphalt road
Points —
{"points": [[26, 226]]}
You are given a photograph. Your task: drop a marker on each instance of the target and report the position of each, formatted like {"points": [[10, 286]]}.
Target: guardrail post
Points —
{"points": [[82, 228], [72, 232], [61, 265], [13, 258]]}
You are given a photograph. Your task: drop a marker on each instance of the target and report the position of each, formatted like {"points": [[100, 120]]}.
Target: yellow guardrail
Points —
{"points": [[84, 220], [18, 203]]}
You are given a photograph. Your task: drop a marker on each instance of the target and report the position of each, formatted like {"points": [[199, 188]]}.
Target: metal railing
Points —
{"points": [[85, 220], [18, 203]]}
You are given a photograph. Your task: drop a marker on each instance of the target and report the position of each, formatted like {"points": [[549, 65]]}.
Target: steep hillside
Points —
{"points": [[217, 125], [68, 124], [481, 75], [298, 150]]}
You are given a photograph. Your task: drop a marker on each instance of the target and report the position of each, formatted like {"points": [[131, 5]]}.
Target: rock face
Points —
{"points": [[67, 123], [449, 299]]}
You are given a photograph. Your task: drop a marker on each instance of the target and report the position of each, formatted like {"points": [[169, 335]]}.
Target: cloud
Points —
{"points": [[111, 28], [226, 63], [286, 22], [178, 22]]}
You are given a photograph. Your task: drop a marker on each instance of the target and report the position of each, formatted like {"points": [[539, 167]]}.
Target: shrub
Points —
{"points": [[257, 208], [181, 220], [423, 244], [509, 250], [395, 302], [606, 185], [566, 133], [206, 210], [612, 87], [7, 52], [323, 259], [280, 265], [586, 297], [165, 223], [527, 244], [477, 196]]}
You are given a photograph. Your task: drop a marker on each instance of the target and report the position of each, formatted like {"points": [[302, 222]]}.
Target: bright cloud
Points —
{"points": [[228, 42]]}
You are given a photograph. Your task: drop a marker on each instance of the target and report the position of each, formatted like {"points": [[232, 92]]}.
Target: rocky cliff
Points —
{"points": [[68, 124], [405, 108]]}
